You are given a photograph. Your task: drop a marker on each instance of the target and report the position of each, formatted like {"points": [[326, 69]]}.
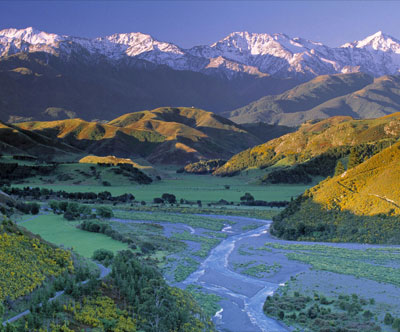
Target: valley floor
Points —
{"points": [[232, 263]]}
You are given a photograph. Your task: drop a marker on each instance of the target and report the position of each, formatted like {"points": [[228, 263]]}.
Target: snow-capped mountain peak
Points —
{"points": [[379, 41], [239, 53], [138, 43], [32, 36]]}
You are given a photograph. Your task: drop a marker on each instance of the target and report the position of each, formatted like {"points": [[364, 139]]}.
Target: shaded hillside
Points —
{"points": [[265, 131], [164, 135], [40, 86], [360, 205], [17, 141], [357, 95], [314, 139]]}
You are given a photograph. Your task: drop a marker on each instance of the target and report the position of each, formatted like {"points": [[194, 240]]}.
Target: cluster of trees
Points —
{"points": [[248, 199], [132, 173], [74, 211], [392, 321], [165, 198], [202, 166], [14, 171], [24, 158], [96, 226], [185, 201], [44, 193], [71, 210], [161, 307], [28, 208], [103, 256]]}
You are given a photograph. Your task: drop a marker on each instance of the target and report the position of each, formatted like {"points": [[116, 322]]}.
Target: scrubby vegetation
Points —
{"points": [[321, 314], [379, 264], [134, 297]]}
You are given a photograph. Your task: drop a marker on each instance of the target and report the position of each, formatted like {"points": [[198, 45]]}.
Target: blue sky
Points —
{"points": [[188, 23]]}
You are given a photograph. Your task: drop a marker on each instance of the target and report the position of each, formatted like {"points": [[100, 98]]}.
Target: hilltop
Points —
{"points": [[317, 145], [359, 205], [358, 95], [164, 135]]}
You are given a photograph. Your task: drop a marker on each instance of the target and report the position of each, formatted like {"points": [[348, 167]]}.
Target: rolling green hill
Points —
{"points": [[164, 135], [327, 139], [356, 94], [360, 205]]}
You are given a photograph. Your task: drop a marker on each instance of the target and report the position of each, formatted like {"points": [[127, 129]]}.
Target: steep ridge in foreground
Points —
{"points": [[360, 205]]}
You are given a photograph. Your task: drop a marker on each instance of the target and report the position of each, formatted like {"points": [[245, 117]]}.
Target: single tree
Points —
{"points": [[354, 158], [247, 197], [339, 169]]}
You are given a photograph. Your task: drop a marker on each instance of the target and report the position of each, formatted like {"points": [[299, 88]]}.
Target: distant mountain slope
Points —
{"points": [[41, 86], [360, 205], [313, 139], [357, 95], [165, 135]]}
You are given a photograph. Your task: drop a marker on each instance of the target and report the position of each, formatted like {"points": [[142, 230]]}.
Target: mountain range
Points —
{"points": [[258, 54], [45, 76]]}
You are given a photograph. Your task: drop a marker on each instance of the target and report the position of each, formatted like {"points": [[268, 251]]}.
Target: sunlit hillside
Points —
{"points": [[362, 205]]}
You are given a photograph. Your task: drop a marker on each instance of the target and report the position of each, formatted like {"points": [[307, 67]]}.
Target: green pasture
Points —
{"points": [[56, 229], [205, 188]]}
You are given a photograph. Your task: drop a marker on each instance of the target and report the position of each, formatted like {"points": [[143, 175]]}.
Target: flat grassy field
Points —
{"points": [[56, 229], [206, 188]]}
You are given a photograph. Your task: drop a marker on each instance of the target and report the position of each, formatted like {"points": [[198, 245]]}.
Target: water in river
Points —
{"points": [[243, 296]]}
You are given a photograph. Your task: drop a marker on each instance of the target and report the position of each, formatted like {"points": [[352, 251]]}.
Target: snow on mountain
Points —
{"points": [[238, 53], [378, 42]]}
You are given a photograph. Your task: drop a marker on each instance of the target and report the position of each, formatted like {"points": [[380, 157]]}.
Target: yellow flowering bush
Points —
{"points": [[98, 311], [26, 262]]}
